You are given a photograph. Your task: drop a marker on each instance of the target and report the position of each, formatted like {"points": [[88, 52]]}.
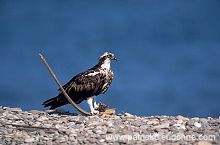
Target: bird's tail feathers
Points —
{"points": [[55, 102]]}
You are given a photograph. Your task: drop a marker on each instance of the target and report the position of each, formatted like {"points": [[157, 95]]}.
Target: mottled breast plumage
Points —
{"points": [[109, 75]]}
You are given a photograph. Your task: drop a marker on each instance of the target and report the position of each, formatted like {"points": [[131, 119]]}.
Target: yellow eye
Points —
{"points": [[109, 55]]}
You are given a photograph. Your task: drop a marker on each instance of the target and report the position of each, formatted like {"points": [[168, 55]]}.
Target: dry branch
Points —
{"points": [[64, 92]]}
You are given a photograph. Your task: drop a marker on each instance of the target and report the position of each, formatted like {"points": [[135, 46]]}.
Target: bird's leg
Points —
{"points": [[94, 102], [90, 103]]}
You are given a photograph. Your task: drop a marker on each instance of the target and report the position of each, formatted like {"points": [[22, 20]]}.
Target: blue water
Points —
{"points": [[168, 53]]}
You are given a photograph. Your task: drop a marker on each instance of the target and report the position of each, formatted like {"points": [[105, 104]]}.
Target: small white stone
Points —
{"points": [[182, 118], [195, 118], [153, 122], [129, 115], [179, 121], [164, 125], [31, 139], [102, 140], [18, 134], [180, 126], [197, 124]]}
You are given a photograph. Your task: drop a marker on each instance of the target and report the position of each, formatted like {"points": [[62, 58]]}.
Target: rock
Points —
{"points": [[49, 125], [203, 120], [90, 131], [136, 123], [180, 126], [101, 131], [102, 140], [37, 124], [56, 134], [218, 120], [109, 124], [92, 140], [42, 133], [128, 115], [8, 136], [204, 143], [195, 118], [124, 141], [42, 118], [61, 139], [145, 126], [35, 111], [79, 122], [191, 122], [197, 124], [182, 118], [18, 134], [5, 108], [111, 130], [28, 140], [209, 118], [179, 121], [162, 126], [153, 122], [16, 110], [61, 111], [49, 142]]}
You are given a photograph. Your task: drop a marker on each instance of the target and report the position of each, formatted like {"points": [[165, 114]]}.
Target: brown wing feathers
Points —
{"points": [[79, 88]]}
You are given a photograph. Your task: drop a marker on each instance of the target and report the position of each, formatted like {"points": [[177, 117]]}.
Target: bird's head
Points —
{"points": [[106, 59], [107, 56]]}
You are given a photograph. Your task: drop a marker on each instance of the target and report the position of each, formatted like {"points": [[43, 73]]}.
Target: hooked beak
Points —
{"points": [[114, 58]]}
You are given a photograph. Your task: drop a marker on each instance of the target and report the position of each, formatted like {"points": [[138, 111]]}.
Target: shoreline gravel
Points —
{"points": [[61, 127]]}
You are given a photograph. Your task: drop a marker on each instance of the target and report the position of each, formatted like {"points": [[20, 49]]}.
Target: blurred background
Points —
{"points": [[168, 53]]}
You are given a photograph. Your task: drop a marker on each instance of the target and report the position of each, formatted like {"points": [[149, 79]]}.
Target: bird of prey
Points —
{"points": [[86, 85]]}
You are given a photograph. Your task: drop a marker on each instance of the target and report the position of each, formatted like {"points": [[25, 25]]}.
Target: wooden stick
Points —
{"points": [[61, 87]]}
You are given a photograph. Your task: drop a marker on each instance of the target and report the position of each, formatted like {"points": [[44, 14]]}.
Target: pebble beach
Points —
{"points": [[61, 127]]}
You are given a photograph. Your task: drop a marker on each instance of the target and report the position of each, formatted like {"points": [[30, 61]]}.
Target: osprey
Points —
{"points": [[86, 85]]}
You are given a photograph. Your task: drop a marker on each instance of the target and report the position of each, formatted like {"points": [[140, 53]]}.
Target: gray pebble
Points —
{"points": [[111, 130], [163, 126], [92, 140], [191, 122], [218, 120], [129, 115], [30, 139], [145, 126], [136, 123], [49, 142], [42, 133]]}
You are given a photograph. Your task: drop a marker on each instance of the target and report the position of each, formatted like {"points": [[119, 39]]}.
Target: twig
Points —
{"points": [[29, 128], [64, 92]]}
